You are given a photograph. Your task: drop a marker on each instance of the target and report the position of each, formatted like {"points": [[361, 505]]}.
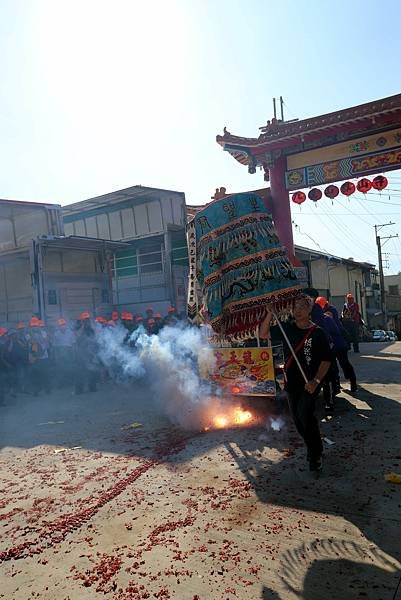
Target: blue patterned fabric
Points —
{"points": [[240, 265]]}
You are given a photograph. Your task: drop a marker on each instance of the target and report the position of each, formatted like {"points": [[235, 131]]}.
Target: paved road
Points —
{"points": [[94, 505]]}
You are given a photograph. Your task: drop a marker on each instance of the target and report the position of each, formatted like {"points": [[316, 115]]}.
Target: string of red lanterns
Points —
{"points": [[364, 185]]}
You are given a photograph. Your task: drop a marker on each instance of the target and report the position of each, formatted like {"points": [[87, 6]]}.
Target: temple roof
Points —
{"points": [[278, 134]]}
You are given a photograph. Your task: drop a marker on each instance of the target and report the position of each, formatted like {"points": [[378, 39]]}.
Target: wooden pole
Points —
{"points": [[290, 347]]}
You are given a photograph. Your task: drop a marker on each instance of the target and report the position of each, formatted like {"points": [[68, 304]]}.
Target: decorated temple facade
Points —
{"points": [[337, 146]]}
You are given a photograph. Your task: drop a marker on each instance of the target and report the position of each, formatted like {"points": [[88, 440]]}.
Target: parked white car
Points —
{"points": [[379, 335]]}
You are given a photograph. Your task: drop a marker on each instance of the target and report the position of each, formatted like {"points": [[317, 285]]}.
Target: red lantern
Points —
{"points": [[298, 197], [380, 182], [315, 194], [347, 188], [331, 191], [364, 185]]}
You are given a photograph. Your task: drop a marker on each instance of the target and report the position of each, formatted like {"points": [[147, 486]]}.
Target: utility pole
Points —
{"points": [[381, 273]]}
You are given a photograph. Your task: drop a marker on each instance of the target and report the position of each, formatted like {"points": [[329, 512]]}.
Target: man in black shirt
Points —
{"points": [[313, 352]]}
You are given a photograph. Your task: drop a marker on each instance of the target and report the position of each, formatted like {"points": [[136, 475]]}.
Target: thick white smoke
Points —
{"points": [[168, 366]]}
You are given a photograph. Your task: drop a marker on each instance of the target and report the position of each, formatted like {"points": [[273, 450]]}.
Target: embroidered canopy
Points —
{"points": [[237, 265]]}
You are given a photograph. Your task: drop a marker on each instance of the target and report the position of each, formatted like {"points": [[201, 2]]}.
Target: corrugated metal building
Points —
{"points": [[46, 274], [152, 269]]}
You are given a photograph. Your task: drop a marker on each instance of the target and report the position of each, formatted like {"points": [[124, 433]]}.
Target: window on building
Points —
{"points": [[150, 258], [126, 263], [105, 296], [393, 290], [179, 250], [52, 297]]}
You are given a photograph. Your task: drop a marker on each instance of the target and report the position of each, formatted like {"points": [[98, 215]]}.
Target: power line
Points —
{"points": [[353, 214], [289, 110], [350, 211], [346, 231], [332, 232], [297, 227], [367, 211], [349, 236]]}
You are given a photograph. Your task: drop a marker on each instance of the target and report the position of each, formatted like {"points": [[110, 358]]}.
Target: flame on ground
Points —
{"points": [[242, 416], [229, 417]]}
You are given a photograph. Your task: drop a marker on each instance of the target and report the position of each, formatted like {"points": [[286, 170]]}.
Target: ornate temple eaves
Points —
{"points": [[278, 134]]}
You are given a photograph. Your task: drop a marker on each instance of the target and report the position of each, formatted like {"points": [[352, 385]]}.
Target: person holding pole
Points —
{"points": [[308, 358], [352, 320]]}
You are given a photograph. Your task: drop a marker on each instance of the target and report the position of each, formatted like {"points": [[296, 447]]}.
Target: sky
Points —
{"points": [[97, 96]]}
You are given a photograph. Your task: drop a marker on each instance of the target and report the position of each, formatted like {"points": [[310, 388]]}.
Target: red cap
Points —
{"points": [[114, 315], [157, 316], [139, 319], [127, 316], [149, 309], [350, 297], [321, 301], [3, 331], [61, 322], [83, 316], [40, 323], [34, 322], [171, 309], [100, 320], [21, 325]]}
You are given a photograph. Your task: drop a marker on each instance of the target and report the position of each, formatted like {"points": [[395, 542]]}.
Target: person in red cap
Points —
{"points": [[138, 322], [84, 316], [322, 302], [4, 365], [127, 320], [171, 317], [149, 315], [352, 320], [39, 348], [158, 326], [64, 352], [22, 356], [87, 361], [151, 327], [15, 354]]}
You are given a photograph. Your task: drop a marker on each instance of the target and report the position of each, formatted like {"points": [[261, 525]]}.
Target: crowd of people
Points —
{"points": [[37, 358]]}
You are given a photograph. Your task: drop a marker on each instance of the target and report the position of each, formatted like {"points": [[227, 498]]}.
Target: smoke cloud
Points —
{"points": [[276, 423], [167, 365]]}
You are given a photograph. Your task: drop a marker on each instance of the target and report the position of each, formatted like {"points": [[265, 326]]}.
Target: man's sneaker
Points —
{"points": [[353, 390], [316, 466]]}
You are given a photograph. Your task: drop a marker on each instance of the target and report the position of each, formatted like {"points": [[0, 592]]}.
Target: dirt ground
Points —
{"points": [[102, 496]]}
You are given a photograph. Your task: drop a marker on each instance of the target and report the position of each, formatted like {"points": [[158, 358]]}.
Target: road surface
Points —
{"points": [[103, 497]]}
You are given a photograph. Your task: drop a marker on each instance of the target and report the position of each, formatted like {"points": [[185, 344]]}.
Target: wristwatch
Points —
{"points": [[316, 380]]}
